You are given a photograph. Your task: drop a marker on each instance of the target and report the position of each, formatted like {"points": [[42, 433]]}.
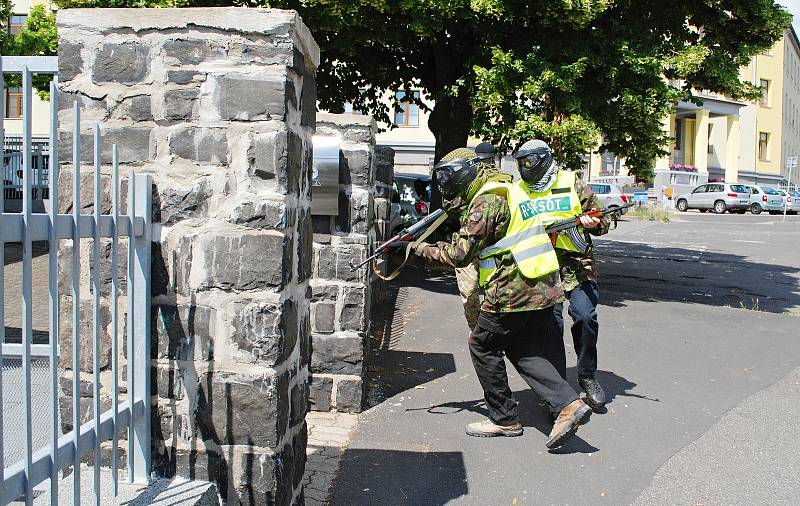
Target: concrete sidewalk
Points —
{"points": [[672, 366]]}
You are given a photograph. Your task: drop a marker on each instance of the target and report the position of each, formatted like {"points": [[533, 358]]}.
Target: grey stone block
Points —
{"points": [[268, 331], [192, 52], [263, 214], [299, 403], [175, 202], [199, 144], [305, 247], [278, 157], [185, 332], [320, 392], [126, 63], [133, 144], [166, 381], [250, 97], [178, 104], [349, 395], [184, 76], [333, 262], [85, 335], [384, 165], [337, 354], [138, 108], [275, 52], [353, 315], [70, 61], [324, 315], [248, 260], [358, 164], [324, 292], [242, 409]]}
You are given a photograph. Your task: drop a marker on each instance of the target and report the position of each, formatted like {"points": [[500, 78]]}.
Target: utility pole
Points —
{"points": [[791, 164]]}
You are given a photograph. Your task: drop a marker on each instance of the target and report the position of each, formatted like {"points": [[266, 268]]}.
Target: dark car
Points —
{"points": [[413, 193]]}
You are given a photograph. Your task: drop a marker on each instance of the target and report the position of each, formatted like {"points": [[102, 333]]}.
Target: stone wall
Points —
{"points": [[340, 298], [218, 105]]}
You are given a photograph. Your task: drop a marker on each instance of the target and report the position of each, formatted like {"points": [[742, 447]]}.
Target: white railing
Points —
{"points": [[617, 180], [40, 464]]}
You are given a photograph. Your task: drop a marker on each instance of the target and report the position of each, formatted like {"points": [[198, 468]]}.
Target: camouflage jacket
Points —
{"points": [[577, 268], [484, 224]]}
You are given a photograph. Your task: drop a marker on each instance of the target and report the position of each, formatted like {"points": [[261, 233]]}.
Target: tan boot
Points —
{"points": [[487, 428], [571, 417]]}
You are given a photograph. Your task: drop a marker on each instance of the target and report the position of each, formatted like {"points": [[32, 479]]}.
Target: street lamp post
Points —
{"points": [[791, 164]]}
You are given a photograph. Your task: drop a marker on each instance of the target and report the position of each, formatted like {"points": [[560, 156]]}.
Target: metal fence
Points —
{"points": [[61, 451]]}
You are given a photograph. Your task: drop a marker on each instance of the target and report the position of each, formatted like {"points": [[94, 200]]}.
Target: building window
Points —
{"points": [[764, 85], [16, 22], [408, 115], [13, 103], [348, 109], [678, 134], [763, 146]]}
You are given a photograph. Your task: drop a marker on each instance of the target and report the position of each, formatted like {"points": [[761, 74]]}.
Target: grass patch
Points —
{"points": [[649, 213]]}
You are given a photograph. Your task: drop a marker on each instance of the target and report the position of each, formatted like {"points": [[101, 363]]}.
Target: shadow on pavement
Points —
{"points": [[378, 477], [639, 272], [392, 372]]}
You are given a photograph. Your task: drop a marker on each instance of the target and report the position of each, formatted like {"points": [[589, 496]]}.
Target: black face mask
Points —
{"points": [[455, 177], [534, 164]]}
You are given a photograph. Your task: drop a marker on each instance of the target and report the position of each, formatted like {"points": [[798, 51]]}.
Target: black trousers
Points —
{"points": [[585, 327], [528, 341]]}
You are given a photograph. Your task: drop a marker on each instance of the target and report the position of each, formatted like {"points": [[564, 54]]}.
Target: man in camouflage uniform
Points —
{"points": [[578, 270], [515, 315], [579, 275], [467, 277]]}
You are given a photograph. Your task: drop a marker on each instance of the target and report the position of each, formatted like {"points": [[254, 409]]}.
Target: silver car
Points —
{"points": [[764, 198], [791, 200], [412, 192], [719, 197], [610, 195], [794, 202]]}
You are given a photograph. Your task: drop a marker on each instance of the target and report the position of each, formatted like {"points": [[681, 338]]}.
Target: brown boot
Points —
{"points": [[487, 428], [571, 417]]}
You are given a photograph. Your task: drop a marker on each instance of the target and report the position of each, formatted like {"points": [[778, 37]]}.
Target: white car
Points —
{"points": [[764, 198], [719, 197], [610, 195]]}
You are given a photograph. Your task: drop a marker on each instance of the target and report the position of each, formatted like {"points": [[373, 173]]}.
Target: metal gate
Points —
{"points": [[18, 360]]}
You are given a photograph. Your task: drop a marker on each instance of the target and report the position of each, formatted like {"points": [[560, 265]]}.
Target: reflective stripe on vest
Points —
{"points": [[525, 239], [553, 206]]}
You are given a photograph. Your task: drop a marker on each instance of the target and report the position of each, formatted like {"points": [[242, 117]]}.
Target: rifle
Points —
{"points": [[407, 234], [570, 226]]}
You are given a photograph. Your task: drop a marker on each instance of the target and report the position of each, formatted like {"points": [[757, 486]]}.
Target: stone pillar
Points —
{"points": [[732, 148], [341, 298], [701, 140], [218, 105]]}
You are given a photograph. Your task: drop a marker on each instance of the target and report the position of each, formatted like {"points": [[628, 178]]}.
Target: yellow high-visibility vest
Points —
{"points": [[560, 202], [525, 239]]}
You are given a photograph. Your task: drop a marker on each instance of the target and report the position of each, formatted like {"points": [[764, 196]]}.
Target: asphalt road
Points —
{"points": [[698, 346]]}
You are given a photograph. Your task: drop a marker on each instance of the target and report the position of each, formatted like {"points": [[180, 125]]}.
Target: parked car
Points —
{"points": [[719, 197], [794, 202], [764, 198], [610, 195], [790, 201], [412, 192]]}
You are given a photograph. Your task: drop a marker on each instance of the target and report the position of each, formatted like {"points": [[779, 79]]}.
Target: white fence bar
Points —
{"points": [[35, 64], [115, 315], [76, 299], [131, 356], [2, 276], [11, 226], [27, 295], [141, 330], [14, 484], [55, 307], [96, 310]]}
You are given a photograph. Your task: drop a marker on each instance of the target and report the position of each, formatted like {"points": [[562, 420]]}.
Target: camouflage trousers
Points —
{"points": [[467, 279]]}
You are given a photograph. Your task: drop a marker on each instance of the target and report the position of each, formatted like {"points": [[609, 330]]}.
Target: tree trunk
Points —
{"points": [[450, 122]]}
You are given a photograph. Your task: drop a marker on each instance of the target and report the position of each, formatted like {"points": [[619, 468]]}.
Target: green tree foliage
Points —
{"points": [[561, 70], [567, 71], [38, 37]]}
